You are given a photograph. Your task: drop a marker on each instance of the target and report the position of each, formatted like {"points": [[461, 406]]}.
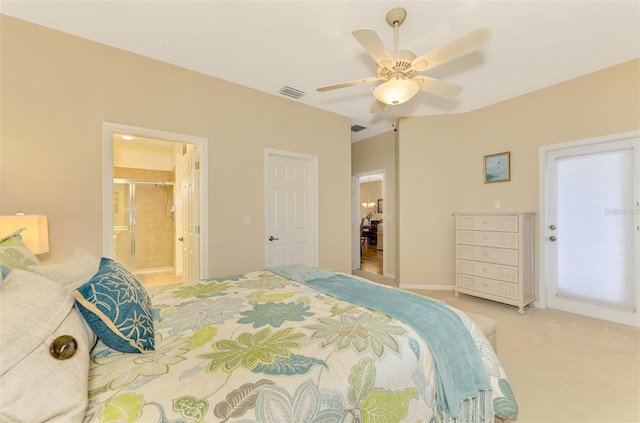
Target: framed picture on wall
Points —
{"points": [[380, 205], [497, 167]]}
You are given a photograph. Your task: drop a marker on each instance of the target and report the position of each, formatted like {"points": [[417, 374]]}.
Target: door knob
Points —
{"points": [[181, 239], [272, 238], [552, 238]]}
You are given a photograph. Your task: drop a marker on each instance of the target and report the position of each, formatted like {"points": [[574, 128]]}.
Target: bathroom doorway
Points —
{"points": [[151, 229], [145, 238]]}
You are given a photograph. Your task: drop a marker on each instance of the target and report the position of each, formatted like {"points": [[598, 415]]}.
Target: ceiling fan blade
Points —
{"points": [[437, 87], [372, 43], [378, 106], [349, 84], [456, 48]]}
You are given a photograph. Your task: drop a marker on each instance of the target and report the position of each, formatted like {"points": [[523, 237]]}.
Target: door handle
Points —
{"points": [[181, 239], [272, 238], [552, 238]]}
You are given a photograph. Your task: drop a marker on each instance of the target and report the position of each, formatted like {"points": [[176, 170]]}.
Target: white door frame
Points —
{"points": [[108, 130], [543, 184], [355, 219], [314, 208], [355, 223]]}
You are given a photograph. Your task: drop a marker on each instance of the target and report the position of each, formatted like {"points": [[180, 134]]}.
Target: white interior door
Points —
{"points": [[291, 209], [190, 218], [592, 229]]}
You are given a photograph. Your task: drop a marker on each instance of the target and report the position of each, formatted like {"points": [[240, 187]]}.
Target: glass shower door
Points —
{"points": [[123, 224]]}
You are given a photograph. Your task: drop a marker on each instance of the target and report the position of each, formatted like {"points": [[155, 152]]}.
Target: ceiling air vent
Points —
{"points": [[291, 92], [357, 128]]}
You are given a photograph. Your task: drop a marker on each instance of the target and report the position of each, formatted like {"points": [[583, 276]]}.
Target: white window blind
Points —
{"points": [[595, 228]]}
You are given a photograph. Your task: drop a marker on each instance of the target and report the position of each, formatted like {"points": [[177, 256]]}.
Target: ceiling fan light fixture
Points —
{"points": [[396, 91]]}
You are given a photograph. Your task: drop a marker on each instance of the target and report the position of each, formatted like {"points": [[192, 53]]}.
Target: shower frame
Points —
{"points": [[131, 227]]}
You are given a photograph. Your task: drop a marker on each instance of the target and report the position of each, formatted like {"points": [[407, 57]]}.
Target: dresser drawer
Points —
{"points": [[489, 239], [488, 223], [488, 255], [488, 270], [489, 286]]}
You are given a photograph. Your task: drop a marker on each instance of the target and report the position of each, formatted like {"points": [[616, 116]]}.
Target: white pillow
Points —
{"points": [[71, 273], [35, 385]]}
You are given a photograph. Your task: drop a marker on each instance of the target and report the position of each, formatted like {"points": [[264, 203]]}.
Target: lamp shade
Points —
{"points": [[36, 231], [396, 91]]}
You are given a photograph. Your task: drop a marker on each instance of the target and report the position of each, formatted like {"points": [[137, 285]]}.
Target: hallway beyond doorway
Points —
{"points": [[371, 258]]}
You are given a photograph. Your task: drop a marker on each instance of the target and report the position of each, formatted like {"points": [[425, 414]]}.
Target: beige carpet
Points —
{"points": [[563, 368]]}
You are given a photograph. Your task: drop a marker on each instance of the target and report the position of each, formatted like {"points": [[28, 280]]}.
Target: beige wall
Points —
{"points": [[441, 159], [58, 89], [379, 153]]}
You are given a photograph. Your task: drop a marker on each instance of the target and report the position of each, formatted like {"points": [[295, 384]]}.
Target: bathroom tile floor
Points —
{"points": [[161, 277]]}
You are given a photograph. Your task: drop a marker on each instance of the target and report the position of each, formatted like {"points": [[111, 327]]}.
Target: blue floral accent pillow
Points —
{"points": [[117, 308]]}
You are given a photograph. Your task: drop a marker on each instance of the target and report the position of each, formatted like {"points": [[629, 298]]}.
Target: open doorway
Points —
{"points": [[371, 220], [154, 205]]}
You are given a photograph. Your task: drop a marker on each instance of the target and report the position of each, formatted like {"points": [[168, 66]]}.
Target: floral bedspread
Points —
{"points": [[262, 348]]}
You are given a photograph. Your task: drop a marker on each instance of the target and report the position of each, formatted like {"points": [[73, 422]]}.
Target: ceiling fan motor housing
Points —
{"points": [[403, 60]]}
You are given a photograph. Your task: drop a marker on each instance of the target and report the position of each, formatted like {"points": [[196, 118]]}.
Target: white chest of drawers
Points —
{"points": [[494, 257]]}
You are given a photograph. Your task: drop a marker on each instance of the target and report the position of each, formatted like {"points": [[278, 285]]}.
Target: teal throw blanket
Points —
{"points": [[463, 388]]}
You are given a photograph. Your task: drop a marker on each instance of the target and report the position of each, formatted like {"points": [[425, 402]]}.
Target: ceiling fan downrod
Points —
{"points": [[395, 18]]}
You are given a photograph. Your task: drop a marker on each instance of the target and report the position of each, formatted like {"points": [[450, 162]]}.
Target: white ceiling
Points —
{"points": [[302, 44]]}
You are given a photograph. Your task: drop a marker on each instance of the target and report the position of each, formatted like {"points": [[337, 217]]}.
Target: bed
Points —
{"points": [[290, 344]]}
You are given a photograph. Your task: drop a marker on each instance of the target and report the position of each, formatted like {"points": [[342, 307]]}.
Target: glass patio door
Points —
{"points": [[592, 230]]}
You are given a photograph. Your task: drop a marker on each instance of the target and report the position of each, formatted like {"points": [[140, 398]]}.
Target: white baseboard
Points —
{"points": [[427, 287]]}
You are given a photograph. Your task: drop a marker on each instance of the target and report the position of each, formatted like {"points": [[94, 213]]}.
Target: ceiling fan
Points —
{"points": [[398, 68]]}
